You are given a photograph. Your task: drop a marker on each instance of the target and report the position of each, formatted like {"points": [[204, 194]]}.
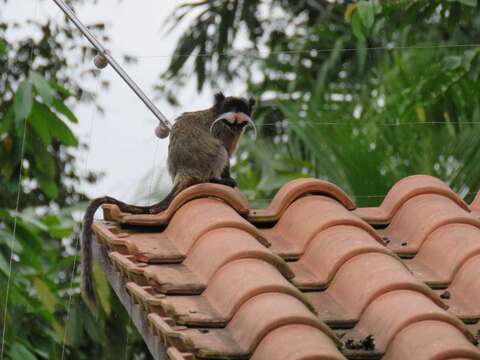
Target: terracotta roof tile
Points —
{"points": [[328, 251], [295, 189], [404, 190], [306, 217], [234, 198], [464, 291], [213, 250], [214, 285], [251, 323], [186, 226], [359, 282], [390, 313], [445, 342], [230, 287], [296, 342], [419, 217], [475, 206], [440, 257]]}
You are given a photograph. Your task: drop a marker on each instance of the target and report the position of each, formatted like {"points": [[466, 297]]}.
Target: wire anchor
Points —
{"points": [[103, 58]]}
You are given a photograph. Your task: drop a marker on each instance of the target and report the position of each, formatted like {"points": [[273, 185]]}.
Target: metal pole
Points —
{"points": [[119, 70]]}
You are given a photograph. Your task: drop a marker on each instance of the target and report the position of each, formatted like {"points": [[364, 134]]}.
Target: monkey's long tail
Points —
{"points": [[88, 291]]}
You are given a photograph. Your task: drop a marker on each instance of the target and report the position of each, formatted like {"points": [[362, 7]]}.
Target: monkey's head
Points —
{"points": [[233, 112]]}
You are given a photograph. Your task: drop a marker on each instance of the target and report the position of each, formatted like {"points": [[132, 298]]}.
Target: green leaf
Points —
{"points": [[75, 334], [38, 121], [357, 26], [61, 89], [45, 294], [3, 47], [43, 87], [49, 187], [23, 100], [472, 3], [102, 287], [7, 238], [61, 107], [56, 127], [20, 352], [452, 62], [60, 131], [366, 13], [4, 267]]}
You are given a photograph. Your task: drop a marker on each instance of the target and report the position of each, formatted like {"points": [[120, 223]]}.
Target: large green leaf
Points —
{"points": [[103, 288], [472, 3], [23, 100], [357, 27], [3, 47], [19, 351], [366, 12], [38, 120], [42, 86], [4, 267], [49, 123], [48, 186], [60, 106], [45, 294]]}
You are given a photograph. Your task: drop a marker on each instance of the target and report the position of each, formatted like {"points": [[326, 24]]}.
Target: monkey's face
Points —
{"points": [[233, 112]]}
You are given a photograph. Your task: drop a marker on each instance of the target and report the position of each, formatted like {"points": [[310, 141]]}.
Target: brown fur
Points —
{"points": [[195, 155]]}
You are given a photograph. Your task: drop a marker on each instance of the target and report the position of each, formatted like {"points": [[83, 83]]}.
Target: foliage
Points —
{"points": [[37, 146], [360, 93]]}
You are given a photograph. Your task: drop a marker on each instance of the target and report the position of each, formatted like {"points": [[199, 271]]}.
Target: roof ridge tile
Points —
{"points": [[402, 191], [305, 218], [419, 217], [233, 197], [393, 311], [440, 256], [328, 251], [294, 190]]}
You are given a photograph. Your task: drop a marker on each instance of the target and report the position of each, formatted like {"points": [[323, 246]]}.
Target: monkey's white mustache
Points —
{"points": [[235, 118]]}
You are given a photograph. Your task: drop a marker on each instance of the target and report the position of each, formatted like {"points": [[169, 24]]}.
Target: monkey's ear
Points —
{"points": [[218, 98], [251, 103]]}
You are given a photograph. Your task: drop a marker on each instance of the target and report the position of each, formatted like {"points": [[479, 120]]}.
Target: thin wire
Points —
{"points": [[77, 238], [358, 196], [248, 53], [15, 216], [12, 241], [359, 122], [153, 168]]}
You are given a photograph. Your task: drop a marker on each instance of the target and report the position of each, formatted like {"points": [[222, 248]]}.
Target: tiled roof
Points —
{"points": [[309, 277]]}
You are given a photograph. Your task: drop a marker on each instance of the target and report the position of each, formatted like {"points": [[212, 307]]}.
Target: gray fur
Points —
{"points": [[194, 156]]}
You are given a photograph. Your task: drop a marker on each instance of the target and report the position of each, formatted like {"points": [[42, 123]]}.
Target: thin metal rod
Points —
{"points": [[119, 70]]}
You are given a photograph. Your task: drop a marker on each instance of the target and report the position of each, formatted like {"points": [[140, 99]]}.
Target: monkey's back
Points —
{"points": [[193, 151]]}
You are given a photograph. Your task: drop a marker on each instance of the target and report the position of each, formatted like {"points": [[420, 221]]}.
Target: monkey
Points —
{"points": [[201, 145]]}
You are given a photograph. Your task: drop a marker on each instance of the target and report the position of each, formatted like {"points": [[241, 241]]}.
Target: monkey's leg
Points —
{"points": [[225, 179]]}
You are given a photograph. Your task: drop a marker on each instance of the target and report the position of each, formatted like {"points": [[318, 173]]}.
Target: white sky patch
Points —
{"points": [[123, 143]]}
